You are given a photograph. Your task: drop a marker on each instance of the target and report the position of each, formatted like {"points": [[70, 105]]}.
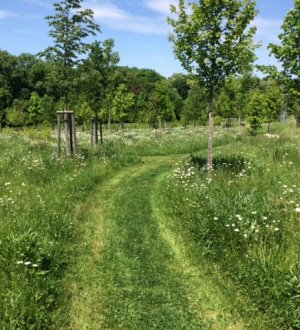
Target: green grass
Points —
{"points": [[244, 218], [40, 198], [140, 271], [120, 237]]}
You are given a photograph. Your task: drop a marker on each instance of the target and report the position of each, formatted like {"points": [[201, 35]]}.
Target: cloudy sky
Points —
{"points": [[139, 28]]}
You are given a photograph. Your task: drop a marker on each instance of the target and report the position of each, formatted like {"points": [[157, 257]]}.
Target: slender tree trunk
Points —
{"points": [[109, 123], [159, 123], [269, 124], [101, 133], [210, 136]]}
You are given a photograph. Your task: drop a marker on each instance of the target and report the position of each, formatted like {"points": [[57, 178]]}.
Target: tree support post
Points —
{"points": [[58, 134], [70, 132]]}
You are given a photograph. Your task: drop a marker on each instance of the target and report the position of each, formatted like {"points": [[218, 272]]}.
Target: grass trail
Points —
{"points": [[136, 271]]}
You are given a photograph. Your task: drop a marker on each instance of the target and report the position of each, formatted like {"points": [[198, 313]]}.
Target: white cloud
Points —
{"points": [[6, 14], [160, 6], [267, 29], [41, 3], [119, 19], [108, 11]]}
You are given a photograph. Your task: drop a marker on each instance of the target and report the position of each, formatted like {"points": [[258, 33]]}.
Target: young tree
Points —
{"points": [[213, 40], [274, 101], [98, 72], [121, 104], [195, 105], [255, 110], [160, 106], [70, 26], [288, 53]]}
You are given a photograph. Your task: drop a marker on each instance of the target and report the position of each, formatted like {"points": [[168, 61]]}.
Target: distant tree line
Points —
{"points": [[87, 79], [30, 94]]}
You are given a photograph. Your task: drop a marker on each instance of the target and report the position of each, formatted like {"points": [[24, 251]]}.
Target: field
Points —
{"points": [[135, 234]]}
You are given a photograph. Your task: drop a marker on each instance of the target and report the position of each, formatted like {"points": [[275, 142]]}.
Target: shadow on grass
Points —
{"points": [[230, 163]]}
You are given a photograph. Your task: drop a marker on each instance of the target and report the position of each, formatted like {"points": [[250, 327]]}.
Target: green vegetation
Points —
{"points": [[128, 236], [245, 219], [141, 232], [40, 200]]}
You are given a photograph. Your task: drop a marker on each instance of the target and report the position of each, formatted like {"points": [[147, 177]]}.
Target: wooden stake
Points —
{"points": [[74, 133], [58, 134], [67, 133]]}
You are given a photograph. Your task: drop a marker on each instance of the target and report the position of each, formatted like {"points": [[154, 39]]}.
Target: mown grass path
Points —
{"points": [[135, 270]]}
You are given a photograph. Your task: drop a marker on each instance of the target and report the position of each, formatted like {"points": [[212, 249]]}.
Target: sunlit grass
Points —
{"points": [[246, 218]]}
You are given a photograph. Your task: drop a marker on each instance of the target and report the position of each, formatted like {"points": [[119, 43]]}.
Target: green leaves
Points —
{"points": [[70, 26], [288, 53], [215, 40]]}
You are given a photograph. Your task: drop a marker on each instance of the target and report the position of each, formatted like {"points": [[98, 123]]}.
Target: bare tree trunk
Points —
{"points": [[210, 136], [101, 133], [109, 123], [159, 123], [269, 124]]}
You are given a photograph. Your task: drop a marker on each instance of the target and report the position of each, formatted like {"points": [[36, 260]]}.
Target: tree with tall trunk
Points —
{"points": [[213, 41], [70, 26]]}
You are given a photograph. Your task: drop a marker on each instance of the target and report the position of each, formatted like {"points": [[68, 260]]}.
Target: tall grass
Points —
{"points": [[40, 199], [246, 219]]}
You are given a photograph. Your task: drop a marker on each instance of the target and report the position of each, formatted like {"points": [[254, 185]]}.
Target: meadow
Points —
{"points": [[242, 221]]}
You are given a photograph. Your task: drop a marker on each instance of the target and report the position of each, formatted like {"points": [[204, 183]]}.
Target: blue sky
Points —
{"points": [[139, 29]]}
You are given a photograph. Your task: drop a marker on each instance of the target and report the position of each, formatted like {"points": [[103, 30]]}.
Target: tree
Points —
{"points": [[160, 106], [195, 105], [180, 82], [97, 73], [71, 25], [213, 41], [121, 103], [288, 53], [255, 110], [274, 101]]}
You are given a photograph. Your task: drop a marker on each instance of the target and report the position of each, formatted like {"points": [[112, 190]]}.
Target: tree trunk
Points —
{"points": [[109, 123], [159, 123], [269, 124], [210, 136], [101, 133]]}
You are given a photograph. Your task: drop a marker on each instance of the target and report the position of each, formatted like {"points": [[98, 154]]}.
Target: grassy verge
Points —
{"points": [[245, 218], [39, 203]]}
